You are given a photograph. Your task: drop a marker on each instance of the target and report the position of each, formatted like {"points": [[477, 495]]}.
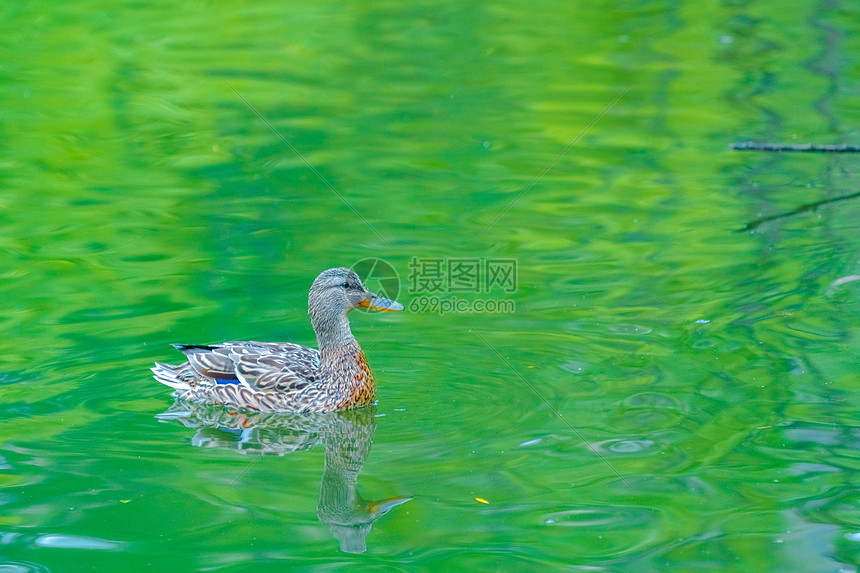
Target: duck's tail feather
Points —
{"points": [[177, 377]]}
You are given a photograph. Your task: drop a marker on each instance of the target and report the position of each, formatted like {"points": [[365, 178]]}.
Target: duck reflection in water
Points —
{"points": [[345, 436]]}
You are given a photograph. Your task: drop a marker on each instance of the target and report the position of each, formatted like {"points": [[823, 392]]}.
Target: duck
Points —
{"points": [[283, 376]]}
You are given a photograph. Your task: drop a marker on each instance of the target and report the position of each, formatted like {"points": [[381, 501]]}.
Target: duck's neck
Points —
{"points": [[343, 367], [332, 332]]}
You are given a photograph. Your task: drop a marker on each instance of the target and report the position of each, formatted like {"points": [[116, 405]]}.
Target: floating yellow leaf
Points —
{"points": [[124, 500], [482, 500]]}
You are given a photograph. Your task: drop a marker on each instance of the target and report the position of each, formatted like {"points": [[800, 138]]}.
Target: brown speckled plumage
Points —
{"points": [[286, 377]]}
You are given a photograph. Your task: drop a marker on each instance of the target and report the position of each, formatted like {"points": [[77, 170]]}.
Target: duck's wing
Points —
{"points": [[276, 366], [261, 366], [210, 361]]}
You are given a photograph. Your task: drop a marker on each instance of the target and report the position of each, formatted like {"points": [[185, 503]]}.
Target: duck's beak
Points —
{"points": [[379, 303]]}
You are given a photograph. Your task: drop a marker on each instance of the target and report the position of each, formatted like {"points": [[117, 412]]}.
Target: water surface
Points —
{"points": [[665, 392]]}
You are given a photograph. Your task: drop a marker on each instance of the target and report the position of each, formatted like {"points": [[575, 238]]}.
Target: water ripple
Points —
{"points": [[603, 517], [21, 567], [76, 542]]}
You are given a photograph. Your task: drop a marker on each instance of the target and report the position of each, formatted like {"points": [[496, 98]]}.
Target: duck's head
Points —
{"points": [[335, 292]]}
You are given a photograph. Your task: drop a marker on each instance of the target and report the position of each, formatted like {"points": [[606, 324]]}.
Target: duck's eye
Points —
{"points": [[345, 285]]}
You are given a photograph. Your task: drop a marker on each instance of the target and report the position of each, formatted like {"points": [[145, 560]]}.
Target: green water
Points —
{"points": [[658, 392]]}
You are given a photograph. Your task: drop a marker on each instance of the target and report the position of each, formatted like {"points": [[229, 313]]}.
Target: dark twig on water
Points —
{"points": [[802, 209], [798, 148]]}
